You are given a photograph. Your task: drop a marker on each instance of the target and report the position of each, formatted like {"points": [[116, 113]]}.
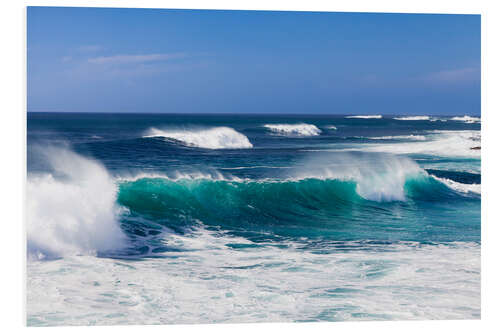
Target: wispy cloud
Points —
{"points": [[66, 59], [135, 59], [455, 75]]}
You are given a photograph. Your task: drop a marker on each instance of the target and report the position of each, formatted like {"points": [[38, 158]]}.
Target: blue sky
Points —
{"points": [[192, 61]]}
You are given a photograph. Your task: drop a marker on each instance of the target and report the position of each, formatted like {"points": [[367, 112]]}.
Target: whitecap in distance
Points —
{"points": [[294, 129], [208, 138], [413, 118], [375, 116], [467, 119]]}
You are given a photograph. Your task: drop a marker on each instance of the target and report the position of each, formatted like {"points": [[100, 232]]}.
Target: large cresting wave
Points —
{"points": [[211, 138], [72, 209]]}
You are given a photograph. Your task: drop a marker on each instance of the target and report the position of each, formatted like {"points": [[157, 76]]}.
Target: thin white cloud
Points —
{"points": [[134, 59], [455, 75]]}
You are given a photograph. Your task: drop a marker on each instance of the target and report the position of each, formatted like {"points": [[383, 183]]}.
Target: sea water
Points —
{"points": [[170, 219]]}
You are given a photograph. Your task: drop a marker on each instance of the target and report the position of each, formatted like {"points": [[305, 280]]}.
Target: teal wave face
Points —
{"points": [[299, 208]]}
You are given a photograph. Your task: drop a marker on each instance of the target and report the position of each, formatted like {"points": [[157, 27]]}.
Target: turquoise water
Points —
{"points": [[246, 215]]}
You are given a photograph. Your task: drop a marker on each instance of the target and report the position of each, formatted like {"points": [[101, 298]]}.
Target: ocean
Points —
{"points": [[242, 218]]}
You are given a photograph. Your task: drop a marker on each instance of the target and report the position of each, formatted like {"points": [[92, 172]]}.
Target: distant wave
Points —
{"points": [[438, 119], [211, 138], [332, 127], [366, 117], [439, 142], [467, 119], [294, 129], [399, 137], [413, 118]]}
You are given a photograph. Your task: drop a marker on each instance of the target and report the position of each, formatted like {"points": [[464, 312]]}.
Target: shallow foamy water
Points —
{"points": [[219, 279]]}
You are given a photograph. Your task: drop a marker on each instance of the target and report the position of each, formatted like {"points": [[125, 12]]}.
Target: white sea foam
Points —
{"points": [[176, 175], [413, 118], [459, 187], [377, 116], [214, 283], [467, 119], [211, 138], [71, 210], [399, 137], [378, 177], [294, 129], [439, 143], [332, 127]]}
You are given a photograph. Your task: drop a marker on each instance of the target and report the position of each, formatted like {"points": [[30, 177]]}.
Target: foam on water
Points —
{"points": [[413, 118], [399, 137], [467, 119], [178, 175], [224, 279], [459, 187], [211, 138], [71, 210], [378, 177], [439, 143], [377, 116], [294, 129]]}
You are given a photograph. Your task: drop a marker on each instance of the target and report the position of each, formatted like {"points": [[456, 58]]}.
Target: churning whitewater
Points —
{"points": [[254, 218]]}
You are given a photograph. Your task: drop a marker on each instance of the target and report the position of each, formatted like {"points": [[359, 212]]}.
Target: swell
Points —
{"points": [[285, 206]]}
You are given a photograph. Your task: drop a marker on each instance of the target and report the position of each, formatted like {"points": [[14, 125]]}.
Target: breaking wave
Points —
{"points": [[366, 117], [413, 118], [467, 119], [459, 187], [211, 138], [72, 209], [399, 137], [294, 129], [439, 143]]}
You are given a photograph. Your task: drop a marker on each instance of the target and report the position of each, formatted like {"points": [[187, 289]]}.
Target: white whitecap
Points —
{"points": [[413, 118], [378, 177], [438, 143], [71, 210], [294, 129], [467, 119], [211, 138], [399, 137], [459, 187], [376, 116]]}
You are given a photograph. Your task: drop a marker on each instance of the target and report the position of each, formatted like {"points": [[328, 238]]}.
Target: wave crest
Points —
{"points": [[294, 129], [467, 119], [72, 209], [459, 187], [413, 118], [212, 138], [375, 116]]}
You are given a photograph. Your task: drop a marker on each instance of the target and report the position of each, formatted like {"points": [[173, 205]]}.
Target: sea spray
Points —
{"points": [[71, 210], [294, 129], [209, 138], [378, 177]]}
